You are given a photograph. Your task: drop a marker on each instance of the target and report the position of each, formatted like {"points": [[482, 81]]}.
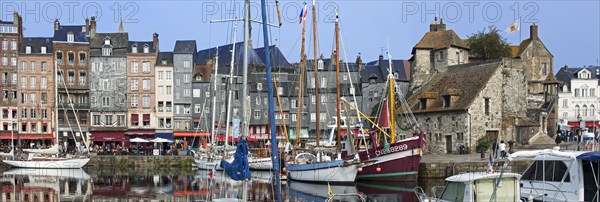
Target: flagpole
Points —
{"points": [[520, 30]]}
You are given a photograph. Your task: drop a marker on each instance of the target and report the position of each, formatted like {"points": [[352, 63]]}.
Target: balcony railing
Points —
{"points": [[67, 106]]}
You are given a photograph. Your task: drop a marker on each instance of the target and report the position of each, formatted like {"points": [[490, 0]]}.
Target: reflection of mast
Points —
{"points": [[314, 10]]}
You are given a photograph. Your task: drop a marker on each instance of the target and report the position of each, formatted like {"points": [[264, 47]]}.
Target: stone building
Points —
{"points": [[37, 90], [71, 45], [141, 60], [525, 112], [11, 34], [108, 59], [184, 59], [164, 94], [578, 96]]}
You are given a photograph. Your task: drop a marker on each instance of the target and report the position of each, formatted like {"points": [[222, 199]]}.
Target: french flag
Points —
{"points": [[303, 13]]}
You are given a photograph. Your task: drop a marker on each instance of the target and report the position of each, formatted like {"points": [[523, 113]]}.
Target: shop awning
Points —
{"points": [[574, 124], [7, 136], [191, 134], [146, 117], [168, 136], [141, 132], [109, 136]]}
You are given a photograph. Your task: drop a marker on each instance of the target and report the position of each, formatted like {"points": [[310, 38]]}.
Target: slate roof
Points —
{"points": [[329, 65], [6, 22], [118, 41], [77, 30], [465, 80], [36, 43], [440, 39], [278, 60], [140, 46], [379, 69], [565, 75], [164, 55], [185, 46], [225, 55]]}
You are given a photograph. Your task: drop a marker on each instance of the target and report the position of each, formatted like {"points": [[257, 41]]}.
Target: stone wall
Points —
{"points": [[447, 169], [141, 162]]}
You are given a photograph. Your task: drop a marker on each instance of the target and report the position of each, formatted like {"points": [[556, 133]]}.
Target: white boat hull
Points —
{"points": [[339, 174], [54, 164], [260, 164]]}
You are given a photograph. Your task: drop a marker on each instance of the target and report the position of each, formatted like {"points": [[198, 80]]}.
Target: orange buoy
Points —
{"points": [[378, 169], [359, 170]]}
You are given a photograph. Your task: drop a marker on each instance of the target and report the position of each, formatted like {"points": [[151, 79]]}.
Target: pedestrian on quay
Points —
{"points": [[557, 140], [502, 149]]}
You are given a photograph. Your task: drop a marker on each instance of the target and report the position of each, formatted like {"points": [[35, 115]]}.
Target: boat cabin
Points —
{"points": [[481, 186]]}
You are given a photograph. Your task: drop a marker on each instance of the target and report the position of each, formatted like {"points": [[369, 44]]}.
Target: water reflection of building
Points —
{"points": [[40, 188]]}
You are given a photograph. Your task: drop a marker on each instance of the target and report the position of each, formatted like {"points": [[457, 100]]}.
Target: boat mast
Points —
{"points": [[314, 10], [302, 66], [275, 155], [337, 83], [391, 103], [244, 123], [231, 67], [214, 99], [55, 102]]}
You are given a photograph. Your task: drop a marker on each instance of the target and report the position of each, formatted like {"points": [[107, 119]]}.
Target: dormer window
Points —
{"points": [[164, 61], [70, 37], [259, 86], [134, 48], [198, 77], [43, 49], [83, 29], [395, 75], [106, 51], [106, 41], [28, 49], [423, 103], [447, 101], [146, 48], [320, 64]]}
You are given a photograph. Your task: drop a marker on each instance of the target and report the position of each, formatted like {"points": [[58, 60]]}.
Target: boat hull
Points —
{"points": [[333, 172], [52, 164], [260, 164], [400, 163], [204, 164]]}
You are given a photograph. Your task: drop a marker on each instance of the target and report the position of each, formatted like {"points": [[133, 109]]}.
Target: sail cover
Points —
{"points": [[51, 150], [238, 169]]}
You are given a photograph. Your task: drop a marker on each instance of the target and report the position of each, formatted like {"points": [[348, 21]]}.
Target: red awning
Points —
{"points": [[5, 108], [7, 136], [109, 136], [591, 124], [573, 124], [44, 124], [34, 123], [14, 109], [24, 123], [146, 117], [134, 118], [196, 120], [191, 134], [5, 123]]}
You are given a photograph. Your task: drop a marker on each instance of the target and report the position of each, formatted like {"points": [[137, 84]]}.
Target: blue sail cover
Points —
{"points": [[238, 169], [589, 156]]}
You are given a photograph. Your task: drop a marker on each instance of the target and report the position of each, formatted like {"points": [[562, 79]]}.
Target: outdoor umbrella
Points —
{"points": [[137, 139]]}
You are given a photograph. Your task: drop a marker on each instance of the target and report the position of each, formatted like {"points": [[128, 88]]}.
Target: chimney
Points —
{"points": [[566, 68], [359, 62], [533, 31], [17, 20], [155, 41], [435, 26], [87, 27], [93, 26], [56, 24]]}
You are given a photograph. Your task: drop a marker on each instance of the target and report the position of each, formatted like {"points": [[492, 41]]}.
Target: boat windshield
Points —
{"points": [[454, 191], [551, 171], [506, 190]]}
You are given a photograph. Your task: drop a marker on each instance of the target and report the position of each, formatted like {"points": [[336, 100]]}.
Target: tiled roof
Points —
{"points": [[440, 39], [185, 46], [466, 81], [164, 55], [514, 51], [77, 30], [36, 43]]}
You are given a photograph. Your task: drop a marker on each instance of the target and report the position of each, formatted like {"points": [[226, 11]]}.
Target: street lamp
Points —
{"points": [[581, 127]]}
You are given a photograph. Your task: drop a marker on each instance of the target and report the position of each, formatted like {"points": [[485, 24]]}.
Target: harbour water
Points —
{"points": [[181, 185]]}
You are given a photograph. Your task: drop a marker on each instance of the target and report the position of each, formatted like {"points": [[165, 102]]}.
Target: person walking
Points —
{"points": [[502, 149]]}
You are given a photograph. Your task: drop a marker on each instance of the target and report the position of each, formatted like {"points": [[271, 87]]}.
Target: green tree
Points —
{"points": [[488, 44]]}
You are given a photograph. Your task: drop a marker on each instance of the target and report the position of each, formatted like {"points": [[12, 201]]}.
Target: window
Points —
{"points": [[44, 67], [23, 66], [43, 49], [23, 81], [146, 101], [169, 91], [584, 92], [168, 75], [447, 101], [28, 49], [134, 101], [423, 103], [134, 85], [146, 84], [146, 49], [345, 77], [108, 119], [32, 67], [259, 86], [592, 110], [160, 75], [32, 97], [82, 78], [313, 99], [197, 108], [44, 82], [44, 113], [584, 110], [96, 120], [577, 92], [5, 61], [23, 97], [44, 98], [4, 45], [178, 82], [32, 81], [186, 92], [555, 171], [294, 117], [320, 64], [134, 67], [146, 67], [294, 103], [169, 107], [14, 79], [13, 45], [186, 109], [134, 48], [33, 113], [146, 119], [105, 101], [70, 57], [313, 117], [59, 57], [71, 77], [196, 93], [13, 61], [70, 37], [279, 90], [96, 67], [23, 113], [120, 120], [486, 103], [24, 127], [81, 58], [186, 78], [592, 92], [323, 82], [186, 63], [163, 62], [106, 51], [4, 75], [312, 82], [544, 68], [257, 114], [577, 111]]}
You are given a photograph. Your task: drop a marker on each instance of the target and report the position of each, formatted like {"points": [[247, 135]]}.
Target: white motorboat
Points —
{"points": [[337, 171], [260, 163], [478, 186]]}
